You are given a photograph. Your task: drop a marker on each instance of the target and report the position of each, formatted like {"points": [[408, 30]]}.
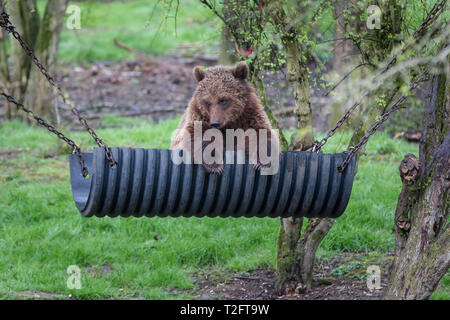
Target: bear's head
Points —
{"points": [[222, 93]]}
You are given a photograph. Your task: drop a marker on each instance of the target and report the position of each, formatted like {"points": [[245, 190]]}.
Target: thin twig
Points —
{"points": [[345, 77]]}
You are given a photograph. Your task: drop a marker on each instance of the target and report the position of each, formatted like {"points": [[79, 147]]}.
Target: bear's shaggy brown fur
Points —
{"points": [[223, 99]]}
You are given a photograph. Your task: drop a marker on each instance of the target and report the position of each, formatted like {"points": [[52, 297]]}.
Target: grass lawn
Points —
{"points": [[149, 26], [42, 233]]}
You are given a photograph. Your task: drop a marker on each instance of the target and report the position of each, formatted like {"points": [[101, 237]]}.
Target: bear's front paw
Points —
{"points": [[215, 168]]}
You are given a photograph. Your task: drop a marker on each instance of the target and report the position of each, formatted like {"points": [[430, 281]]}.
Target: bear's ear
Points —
{"points": [[199, 73], [240, 71]]}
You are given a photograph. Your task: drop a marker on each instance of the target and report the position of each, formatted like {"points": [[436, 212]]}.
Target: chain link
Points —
{"points": [[9, 27], [423, 26], [75, 148], [318, 144]]}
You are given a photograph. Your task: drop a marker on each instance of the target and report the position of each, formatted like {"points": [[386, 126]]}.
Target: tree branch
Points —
{"points": [[345, 77], [272, 118]]}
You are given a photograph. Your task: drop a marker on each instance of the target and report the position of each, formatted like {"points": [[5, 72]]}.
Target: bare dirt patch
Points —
{"points": [[154, 90], [39, 295], [340, 278], [10, 153]]}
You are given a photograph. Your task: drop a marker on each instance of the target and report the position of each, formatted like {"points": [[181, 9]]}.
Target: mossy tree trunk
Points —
{"points": [[296, 250], [422, 228]]}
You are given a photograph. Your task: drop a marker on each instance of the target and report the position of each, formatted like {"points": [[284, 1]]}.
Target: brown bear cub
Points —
{"points": [[223, 99]]}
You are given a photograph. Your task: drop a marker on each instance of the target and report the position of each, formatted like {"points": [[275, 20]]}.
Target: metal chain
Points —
{"points": [[9, 27], [351, 152], [318, 144], [424, 25], [75, 148]]}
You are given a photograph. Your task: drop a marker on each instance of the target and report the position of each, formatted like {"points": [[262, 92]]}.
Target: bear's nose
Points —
{"points": [[215, 124]]}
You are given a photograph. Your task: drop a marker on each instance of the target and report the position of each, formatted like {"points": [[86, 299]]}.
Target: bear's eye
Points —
{"points": [[223, 102], [207, 105]]}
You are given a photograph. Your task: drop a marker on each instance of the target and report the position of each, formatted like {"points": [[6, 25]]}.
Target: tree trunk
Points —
{"points": [[235, 13], [296, 251], [4, 70], [25, 17], [345, 54], [226, 56], [346, 59], [297, 76], [39, 95], [422, 254]]}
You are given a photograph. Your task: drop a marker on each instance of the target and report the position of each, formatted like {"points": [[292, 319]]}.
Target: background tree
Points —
{"points": [[231, 13], [42, 35], [346, 61]]}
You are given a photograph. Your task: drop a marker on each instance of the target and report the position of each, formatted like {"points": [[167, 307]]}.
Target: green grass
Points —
{"points": [[148, 26], [443, 292], [42, 233]]}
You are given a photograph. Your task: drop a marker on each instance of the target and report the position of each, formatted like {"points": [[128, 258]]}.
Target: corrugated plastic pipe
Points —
{"points": [[146, 182]]}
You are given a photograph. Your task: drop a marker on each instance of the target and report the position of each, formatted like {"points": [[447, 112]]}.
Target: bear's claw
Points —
{"points": [[258, 166], [213, 168]]}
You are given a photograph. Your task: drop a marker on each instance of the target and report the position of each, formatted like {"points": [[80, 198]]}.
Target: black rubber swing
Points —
{"points": [[146, 182]]}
